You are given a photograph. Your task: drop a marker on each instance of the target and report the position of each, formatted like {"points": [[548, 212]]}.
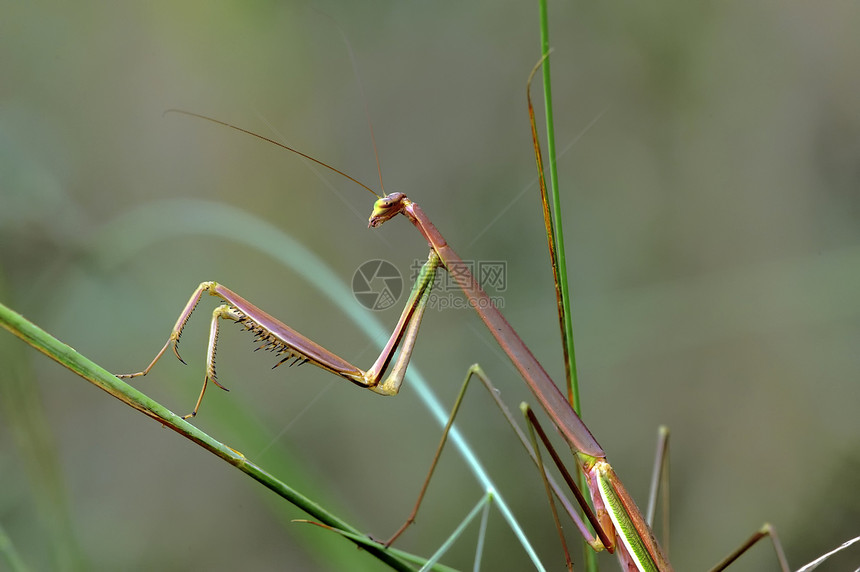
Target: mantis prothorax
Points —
{"points": [[618, 523]]}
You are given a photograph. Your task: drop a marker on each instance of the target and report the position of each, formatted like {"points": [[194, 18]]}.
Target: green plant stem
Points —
{"points": [[9, 554], [573, 385], [560, 262], [103, 379]]}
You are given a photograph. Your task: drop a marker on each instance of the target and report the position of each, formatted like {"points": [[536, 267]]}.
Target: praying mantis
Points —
{"points": [[619, 525], [613, 367]]}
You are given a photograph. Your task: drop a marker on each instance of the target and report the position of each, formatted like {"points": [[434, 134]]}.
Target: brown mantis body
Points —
{"points": [[619, 524]]}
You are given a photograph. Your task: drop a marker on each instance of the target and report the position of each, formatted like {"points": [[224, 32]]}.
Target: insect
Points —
{"points": [[620, 526]]}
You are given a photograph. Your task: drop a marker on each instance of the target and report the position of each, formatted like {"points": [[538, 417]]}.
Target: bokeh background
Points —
{"points": [[710, 175]]}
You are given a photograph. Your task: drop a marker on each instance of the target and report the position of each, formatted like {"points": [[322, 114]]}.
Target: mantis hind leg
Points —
{"points": [[767, 530], [659, 491], [476, 371]]}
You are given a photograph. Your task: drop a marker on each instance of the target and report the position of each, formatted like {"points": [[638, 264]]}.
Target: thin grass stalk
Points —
{"points": [[449, 542], [560, 262]]}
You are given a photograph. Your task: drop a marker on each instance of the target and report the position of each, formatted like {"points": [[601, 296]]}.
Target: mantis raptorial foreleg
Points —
{"points": [[276, 336]]}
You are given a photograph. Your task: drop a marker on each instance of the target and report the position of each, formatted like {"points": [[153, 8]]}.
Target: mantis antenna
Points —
{"points": [[278, 143]]}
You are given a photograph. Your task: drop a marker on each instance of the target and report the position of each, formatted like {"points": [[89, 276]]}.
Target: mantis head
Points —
{"points": [[386, 208]]}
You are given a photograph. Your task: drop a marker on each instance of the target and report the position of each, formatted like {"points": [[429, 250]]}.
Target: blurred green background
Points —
{"points": [[710, 180]]}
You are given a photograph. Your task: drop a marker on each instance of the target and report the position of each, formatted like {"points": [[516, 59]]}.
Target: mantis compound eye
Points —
{"points": [[386, 208]]}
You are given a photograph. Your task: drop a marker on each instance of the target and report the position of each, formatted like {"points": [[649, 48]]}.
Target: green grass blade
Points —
{"points": [[558, 239], [560, 261], [103, 379], [9, 554], [365, 541], [24, 416]]}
